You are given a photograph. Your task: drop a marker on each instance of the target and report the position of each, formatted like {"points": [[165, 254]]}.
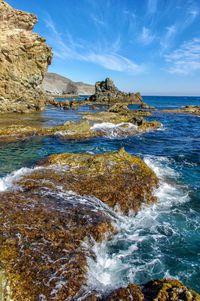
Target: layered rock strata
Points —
{"points": [[107, 92], [24, 59]]}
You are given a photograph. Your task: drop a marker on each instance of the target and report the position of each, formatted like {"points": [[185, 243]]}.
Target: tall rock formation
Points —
{"points": [[24, 60], [107, 92]]}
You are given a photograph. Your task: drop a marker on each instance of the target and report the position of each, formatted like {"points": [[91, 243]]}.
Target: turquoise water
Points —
{"points": [[162, 240]]}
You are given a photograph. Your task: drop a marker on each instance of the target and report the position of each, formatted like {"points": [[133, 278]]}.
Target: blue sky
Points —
{"points": [[151, 46]]}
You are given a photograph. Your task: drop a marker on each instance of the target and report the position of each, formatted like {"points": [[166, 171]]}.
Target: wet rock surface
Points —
{"points": [[167, 289], [56, 211], [24, 59], [122, 124], [190, 109], [107, 92]]}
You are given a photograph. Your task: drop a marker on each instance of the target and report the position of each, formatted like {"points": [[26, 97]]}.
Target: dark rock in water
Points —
{"points": [[189, 109], [50, 101], [146, 106], [93, 108], [154, 290], [107, 92], [119, 108], [138, 120], [167, 289]]}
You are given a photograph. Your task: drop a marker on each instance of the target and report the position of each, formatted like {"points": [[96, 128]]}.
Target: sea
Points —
{"points": [[163, 239]]}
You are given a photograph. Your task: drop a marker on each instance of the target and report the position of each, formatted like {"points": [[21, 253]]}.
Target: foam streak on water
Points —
{"points": [[112, 130], [147, 246]]}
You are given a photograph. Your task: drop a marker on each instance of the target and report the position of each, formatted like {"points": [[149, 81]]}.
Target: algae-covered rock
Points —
{"points": [[46, 240], [53, 216], [146, 106], [167, 289], [190, 109], [131, 292], [24, 59], [117, 178], [154, 290]]}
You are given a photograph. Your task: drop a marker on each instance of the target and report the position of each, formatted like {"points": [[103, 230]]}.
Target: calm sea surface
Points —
{"points": [[163, 240]]}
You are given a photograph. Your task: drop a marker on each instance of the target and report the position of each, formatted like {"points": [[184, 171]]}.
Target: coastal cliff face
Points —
{"points": [[55, 84], [24, 59]]}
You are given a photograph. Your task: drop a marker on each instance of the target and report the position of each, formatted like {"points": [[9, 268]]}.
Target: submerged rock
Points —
{"points": [[190, 109], [24, 59], [107, 92], [146, 106]]}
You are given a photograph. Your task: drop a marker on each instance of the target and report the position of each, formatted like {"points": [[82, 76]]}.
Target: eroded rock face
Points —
{"points": [[107, 92], [24, 59]]}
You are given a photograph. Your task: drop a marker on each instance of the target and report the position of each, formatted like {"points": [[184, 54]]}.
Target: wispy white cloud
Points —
{"points": [[97, 21], [170, 34], [146, 37], [107, 57], [185, 59], [191, 15], [113, 61], [152, 6]]}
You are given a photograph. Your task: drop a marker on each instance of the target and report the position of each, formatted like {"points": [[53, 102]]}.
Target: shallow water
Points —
{"points": [[163, 240]]}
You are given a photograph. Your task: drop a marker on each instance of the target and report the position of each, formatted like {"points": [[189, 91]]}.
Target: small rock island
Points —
{"points": [[107, 92]]}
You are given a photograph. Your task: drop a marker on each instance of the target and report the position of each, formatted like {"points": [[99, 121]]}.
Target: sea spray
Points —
{"points": [[139, 251], [112, 130]]}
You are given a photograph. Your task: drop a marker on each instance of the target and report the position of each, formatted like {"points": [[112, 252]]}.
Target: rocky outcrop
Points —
{"points": [[53, 217], [146, 106], [159, 289], [55, 214], [81, 130], [24, 59], [57, 85], [107, 92], [190, 109]]}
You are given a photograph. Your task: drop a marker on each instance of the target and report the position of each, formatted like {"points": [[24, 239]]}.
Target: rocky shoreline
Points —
{"points": [[72, 201], [51, 215]]}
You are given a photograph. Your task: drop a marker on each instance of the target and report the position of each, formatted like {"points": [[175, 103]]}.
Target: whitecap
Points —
{"points": [[112, 130], [125, 258]]}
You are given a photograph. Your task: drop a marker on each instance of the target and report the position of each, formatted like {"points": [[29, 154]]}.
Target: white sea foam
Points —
{"points": [[7, 182], [135, 253], [113, 130]]}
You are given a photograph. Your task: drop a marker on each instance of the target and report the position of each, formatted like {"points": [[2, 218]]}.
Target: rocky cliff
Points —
{"points": [[24, 59], [107, 92], [55, 84]]}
